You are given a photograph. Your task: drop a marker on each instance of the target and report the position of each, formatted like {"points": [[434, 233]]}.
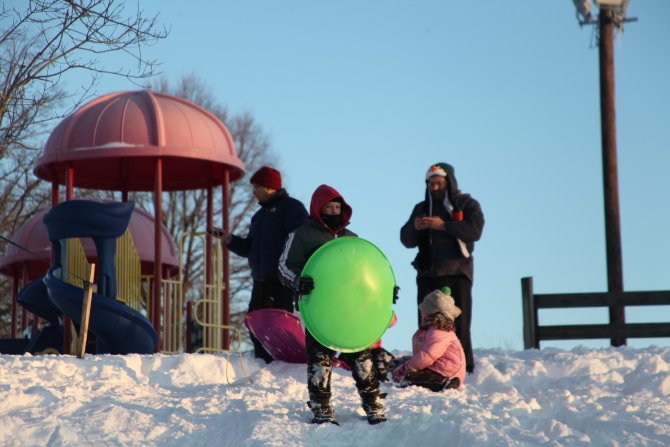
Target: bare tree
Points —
{"points": [[21, 196], [45, 40], [184, 212], [41, 43]]}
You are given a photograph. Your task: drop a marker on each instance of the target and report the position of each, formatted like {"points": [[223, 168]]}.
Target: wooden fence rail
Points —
{"points": [[533, 333]]}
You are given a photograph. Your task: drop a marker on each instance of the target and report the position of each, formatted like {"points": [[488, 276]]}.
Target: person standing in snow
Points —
{"points": [[329, 217], [438, 360], [445, 227], [279, 214]]}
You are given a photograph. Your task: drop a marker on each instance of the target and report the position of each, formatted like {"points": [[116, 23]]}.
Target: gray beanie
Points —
{"points": [[439, 301]]}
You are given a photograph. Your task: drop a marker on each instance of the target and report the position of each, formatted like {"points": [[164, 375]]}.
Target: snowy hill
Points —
{"points": [[610, 397]]}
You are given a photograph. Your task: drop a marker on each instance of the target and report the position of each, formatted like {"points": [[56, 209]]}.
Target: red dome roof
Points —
{"points": [[113, 141], [32, 235]]}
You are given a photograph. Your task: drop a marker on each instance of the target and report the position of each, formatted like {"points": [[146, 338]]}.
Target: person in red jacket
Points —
{"points": [[329, 217], [438, 360]]}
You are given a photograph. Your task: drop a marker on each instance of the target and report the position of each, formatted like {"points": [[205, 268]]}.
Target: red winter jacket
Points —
{"points": [[439, 351]]}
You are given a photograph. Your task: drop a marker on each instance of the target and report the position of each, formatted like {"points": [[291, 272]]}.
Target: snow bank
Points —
{"points": [[609, 397]]}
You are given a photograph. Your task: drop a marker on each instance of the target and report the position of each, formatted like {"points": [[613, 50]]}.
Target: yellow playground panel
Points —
{"points": [[133, 289], [127, 264], [208, 308]]}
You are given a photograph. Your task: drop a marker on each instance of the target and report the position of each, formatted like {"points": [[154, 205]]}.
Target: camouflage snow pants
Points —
{"points": [[320, 367]]}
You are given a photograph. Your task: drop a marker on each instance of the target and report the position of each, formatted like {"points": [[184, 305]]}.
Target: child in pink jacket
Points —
{"points": [[438, 360]]}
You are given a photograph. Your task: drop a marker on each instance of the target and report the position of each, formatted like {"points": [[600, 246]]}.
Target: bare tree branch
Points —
{"points": [[41, 42], [47, 39]]}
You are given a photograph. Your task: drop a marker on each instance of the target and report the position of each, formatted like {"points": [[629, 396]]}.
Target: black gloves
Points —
{"points": [[396, 289], [305, 285]]}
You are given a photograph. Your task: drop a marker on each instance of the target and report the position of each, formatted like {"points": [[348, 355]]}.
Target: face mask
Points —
{"points": [[332, 221]]}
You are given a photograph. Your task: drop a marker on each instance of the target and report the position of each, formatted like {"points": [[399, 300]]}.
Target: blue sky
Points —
{"points": [[365, 96]]}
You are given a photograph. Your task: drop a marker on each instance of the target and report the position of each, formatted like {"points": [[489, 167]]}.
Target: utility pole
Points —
{"points": [[611, 15], [610, 172]]}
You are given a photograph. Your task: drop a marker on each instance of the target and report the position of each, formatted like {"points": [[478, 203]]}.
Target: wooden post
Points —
{"points": [[529, 314], [85, 313], [610, 175]]}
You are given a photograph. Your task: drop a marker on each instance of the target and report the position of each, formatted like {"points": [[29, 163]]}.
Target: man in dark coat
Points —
{"points": [[278, 215], [445, 227], [329, 216]]}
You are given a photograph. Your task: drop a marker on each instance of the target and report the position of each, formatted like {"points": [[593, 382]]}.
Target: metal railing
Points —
{"points": [[208, 309]]}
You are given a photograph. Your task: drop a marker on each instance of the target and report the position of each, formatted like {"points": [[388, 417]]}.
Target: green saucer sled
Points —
{"points": [[350, 307]]}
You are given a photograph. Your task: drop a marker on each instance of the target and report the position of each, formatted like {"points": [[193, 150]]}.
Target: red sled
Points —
{"points": [[282, 335]]}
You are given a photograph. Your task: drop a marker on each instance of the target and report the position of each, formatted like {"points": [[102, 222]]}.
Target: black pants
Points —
{"points": [[268, 294], [320, 367], [427, 378], [461, 290]]}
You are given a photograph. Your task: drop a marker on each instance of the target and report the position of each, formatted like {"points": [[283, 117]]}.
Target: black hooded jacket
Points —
{"points": [[439, 251], [268, 229]]}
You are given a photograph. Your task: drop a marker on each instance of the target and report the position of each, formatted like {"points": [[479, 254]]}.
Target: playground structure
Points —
{"points": [[127, 141]]}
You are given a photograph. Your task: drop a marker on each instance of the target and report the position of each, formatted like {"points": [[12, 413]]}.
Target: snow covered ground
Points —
{"points": [[606, 397]]}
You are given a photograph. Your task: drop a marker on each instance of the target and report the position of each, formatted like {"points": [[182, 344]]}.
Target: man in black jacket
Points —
{"points": [[445, 227], [278, 216]]}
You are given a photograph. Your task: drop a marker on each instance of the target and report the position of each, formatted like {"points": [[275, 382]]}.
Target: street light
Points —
{"points": [[615, 8]]}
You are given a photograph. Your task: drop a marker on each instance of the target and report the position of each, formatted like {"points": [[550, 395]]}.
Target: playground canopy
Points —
{"points": [[113, 141]]}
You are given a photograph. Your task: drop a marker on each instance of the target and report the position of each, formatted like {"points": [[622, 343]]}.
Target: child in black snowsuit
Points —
{"points": [[329, 216]]}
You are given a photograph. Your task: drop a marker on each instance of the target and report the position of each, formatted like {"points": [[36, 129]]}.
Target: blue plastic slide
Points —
{"points": [[34, 298], [119, 329]]}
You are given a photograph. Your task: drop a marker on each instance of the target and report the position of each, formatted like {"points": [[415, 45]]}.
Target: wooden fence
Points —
{"points": [[533, 333]]}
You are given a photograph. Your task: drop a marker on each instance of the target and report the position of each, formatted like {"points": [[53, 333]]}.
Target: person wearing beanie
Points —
{"points": [[329, 217], [439, 302], [267, 177], [438, 359], [444, 227], [279, 214]]}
